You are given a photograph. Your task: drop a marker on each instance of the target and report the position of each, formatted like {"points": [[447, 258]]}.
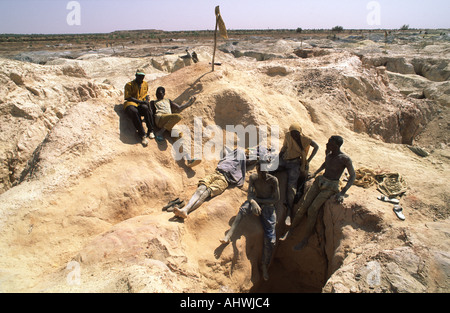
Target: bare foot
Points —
{"points": [[179, 213], [225, 241], [288, 221], [286, 235]]}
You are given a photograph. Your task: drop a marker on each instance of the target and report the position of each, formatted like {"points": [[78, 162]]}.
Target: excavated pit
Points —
{"points": [[304, 271], [337, 231]]}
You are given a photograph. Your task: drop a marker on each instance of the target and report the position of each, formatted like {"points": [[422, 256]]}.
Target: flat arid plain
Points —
{"points": [[81, 198]]}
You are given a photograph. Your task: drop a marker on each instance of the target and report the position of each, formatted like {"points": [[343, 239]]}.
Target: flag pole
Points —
{"points": [[223, 32], [215, 42]]}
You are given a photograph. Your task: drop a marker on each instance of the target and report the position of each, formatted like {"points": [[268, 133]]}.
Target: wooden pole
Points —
{"points": [[215, 43]]}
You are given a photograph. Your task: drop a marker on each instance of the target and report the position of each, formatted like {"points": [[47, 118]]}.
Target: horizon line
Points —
{"points": [[229, 30]]}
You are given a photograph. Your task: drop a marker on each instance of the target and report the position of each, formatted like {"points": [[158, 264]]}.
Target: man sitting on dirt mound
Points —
{"points": [[137, 105], [164, 118], [263, 194], [293, 159], [324, 187], [230, 171]]}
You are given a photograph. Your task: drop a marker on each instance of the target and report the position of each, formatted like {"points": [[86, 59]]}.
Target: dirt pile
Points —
{"points": [[81, 198]]}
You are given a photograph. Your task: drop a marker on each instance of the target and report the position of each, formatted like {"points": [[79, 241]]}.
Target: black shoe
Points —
{"points": [[172, 203], [176, 205]]}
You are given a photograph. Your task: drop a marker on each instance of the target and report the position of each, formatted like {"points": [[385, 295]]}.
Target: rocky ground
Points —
{"points": [[81, 198]]}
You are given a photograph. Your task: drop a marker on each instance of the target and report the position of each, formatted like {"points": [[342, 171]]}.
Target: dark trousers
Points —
{"points": [[268, 219], [135, 113], [292, 167]]}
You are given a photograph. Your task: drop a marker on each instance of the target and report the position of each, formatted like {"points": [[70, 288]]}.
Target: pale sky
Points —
{"points": [[104, 16]]}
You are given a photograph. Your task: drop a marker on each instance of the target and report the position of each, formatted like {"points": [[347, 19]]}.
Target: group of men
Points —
{"points": [[263, 189], [159, 113]]}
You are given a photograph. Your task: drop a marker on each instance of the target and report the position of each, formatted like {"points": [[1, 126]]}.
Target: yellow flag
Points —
{"points": [[221, 24]]}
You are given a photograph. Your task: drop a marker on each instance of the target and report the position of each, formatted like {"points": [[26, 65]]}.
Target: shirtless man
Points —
{"points": [[324, 187], [263, 194]]}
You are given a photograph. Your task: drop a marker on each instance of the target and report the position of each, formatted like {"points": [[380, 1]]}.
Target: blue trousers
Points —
{"points": [[268, 219]]}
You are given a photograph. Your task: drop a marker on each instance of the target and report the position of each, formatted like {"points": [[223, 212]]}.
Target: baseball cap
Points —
{"points": [[140, 72]]}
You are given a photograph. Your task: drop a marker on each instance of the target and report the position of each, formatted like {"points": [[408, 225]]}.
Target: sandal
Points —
{"points": [[387, 199], [172, 203], [177, 205], [399, 211]]}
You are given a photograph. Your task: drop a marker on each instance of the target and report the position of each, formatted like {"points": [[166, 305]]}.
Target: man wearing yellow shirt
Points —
{"points": [[293, 159], [137, 105]]}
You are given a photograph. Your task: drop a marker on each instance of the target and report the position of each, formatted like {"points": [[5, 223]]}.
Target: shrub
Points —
{"points": [[404, 27], [337, 29]]}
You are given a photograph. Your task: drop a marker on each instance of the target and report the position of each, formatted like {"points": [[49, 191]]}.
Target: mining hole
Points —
{"points": [[304, 271]]}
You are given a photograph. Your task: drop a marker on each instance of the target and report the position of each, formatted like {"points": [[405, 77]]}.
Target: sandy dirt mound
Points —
{"points": [[82, 199]]}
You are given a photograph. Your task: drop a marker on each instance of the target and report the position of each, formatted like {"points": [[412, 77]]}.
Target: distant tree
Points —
{"points": [[337, 29], [404, 27], [299, 30]]}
